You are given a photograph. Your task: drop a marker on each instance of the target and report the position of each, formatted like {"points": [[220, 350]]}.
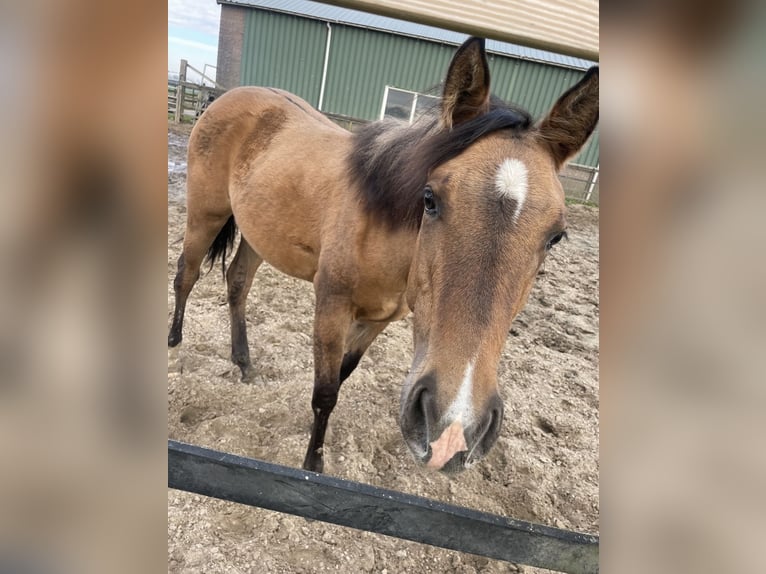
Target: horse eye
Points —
{"points": [[555, 239], [429, 202]]}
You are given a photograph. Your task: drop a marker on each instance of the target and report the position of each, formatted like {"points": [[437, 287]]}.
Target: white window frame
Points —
{"points": [[414, 101]]}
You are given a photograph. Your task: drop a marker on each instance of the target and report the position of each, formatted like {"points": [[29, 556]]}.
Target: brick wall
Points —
{"points": [[230, 38]]}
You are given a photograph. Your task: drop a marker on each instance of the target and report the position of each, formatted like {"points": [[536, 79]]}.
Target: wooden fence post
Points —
{"points": [[180, 91]]}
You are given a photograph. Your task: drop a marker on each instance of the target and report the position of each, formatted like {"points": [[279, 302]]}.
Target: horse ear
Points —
{"points": [[572, 119], [466, 89]]}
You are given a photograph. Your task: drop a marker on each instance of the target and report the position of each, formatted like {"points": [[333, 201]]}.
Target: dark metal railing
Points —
{"points": [[321, 497]]}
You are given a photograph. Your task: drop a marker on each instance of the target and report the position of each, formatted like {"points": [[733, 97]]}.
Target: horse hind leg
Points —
{"points": [[211, 235], [239, 279]]}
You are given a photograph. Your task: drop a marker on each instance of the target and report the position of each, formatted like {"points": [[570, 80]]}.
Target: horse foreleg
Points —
{"points": [[360, 337], [331, 324], [239, 279]]}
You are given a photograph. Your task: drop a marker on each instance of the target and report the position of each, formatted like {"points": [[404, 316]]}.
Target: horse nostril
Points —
{"points": [[491, 431], [495, 423], [417, 414], [420, 402], [418, 407]]}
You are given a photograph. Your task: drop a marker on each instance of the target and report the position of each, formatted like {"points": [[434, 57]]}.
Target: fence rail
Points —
{"points": [[580, 182], [187, 100], [364, 507]]}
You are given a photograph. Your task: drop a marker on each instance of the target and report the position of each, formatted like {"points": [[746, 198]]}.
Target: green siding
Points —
{"points": [[285, 52], [589, 154], [536, 87], [363, 62]]}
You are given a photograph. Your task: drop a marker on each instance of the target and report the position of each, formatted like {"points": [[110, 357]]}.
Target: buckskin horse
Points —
{"points": [[449, 218]]}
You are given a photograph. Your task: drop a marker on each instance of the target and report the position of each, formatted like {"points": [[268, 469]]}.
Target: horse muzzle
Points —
{"points": [[443, 444]]}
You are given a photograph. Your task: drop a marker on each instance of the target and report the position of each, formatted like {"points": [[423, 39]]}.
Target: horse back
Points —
{"points": [[279, 166], [245, 120]]}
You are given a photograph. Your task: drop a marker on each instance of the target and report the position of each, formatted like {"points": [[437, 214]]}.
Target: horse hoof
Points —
{"points": [[248, 374], [314, 465]]}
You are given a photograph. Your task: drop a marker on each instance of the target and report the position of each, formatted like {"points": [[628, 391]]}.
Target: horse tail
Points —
{"points": [[222, 243]]}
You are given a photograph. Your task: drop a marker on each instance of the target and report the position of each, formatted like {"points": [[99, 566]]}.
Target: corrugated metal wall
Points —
{"points": [[363, 62], [536, 87], [285, 51]]}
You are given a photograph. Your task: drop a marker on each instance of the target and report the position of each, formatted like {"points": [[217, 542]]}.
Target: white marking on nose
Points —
{"points": [[511, 182], [458, 416], [451, 442], [462, 407]]}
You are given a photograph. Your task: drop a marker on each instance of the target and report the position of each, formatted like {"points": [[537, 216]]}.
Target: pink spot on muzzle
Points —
{"points": [[451, 442]]}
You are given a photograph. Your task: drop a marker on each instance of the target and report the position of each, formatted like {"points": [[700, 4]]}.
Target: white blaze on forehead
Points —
{"points": [[511, 182]]}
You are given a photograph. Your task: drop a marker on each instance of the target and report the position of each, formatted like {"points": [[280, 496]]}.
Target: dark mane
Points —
{"points": [[390, 160]]}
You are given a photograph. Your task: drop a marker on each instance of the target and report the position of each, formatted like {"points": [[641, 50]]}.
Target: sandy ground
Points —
{"points": [[544, 467]]}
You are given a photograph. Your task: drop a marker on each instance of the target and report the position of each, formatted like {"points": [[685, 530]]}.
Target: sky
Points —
{"points": [[193, 34]]}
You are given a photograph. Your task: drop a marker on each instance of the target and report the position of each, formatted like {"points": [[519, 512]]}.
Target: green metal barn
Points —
{"points": [[360, 66]]}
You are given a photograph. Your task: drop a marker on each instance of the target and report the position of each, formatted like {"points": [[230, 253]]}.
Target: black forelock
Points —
{"points": [[390, 162]]}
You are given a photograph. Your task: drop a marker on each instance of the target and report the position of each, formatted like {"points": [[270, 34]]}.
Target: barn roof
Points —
{"points": [[335, 14]]}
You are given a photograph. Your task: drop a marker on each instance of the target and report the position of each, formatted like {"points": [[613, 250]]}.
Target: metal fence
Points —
{"points": [[364, 507], [580, 182]]}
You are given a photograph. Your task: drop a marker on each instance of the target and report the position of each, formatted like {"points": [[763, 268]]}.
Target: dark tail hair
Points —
{"points": [[222, 243]]}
